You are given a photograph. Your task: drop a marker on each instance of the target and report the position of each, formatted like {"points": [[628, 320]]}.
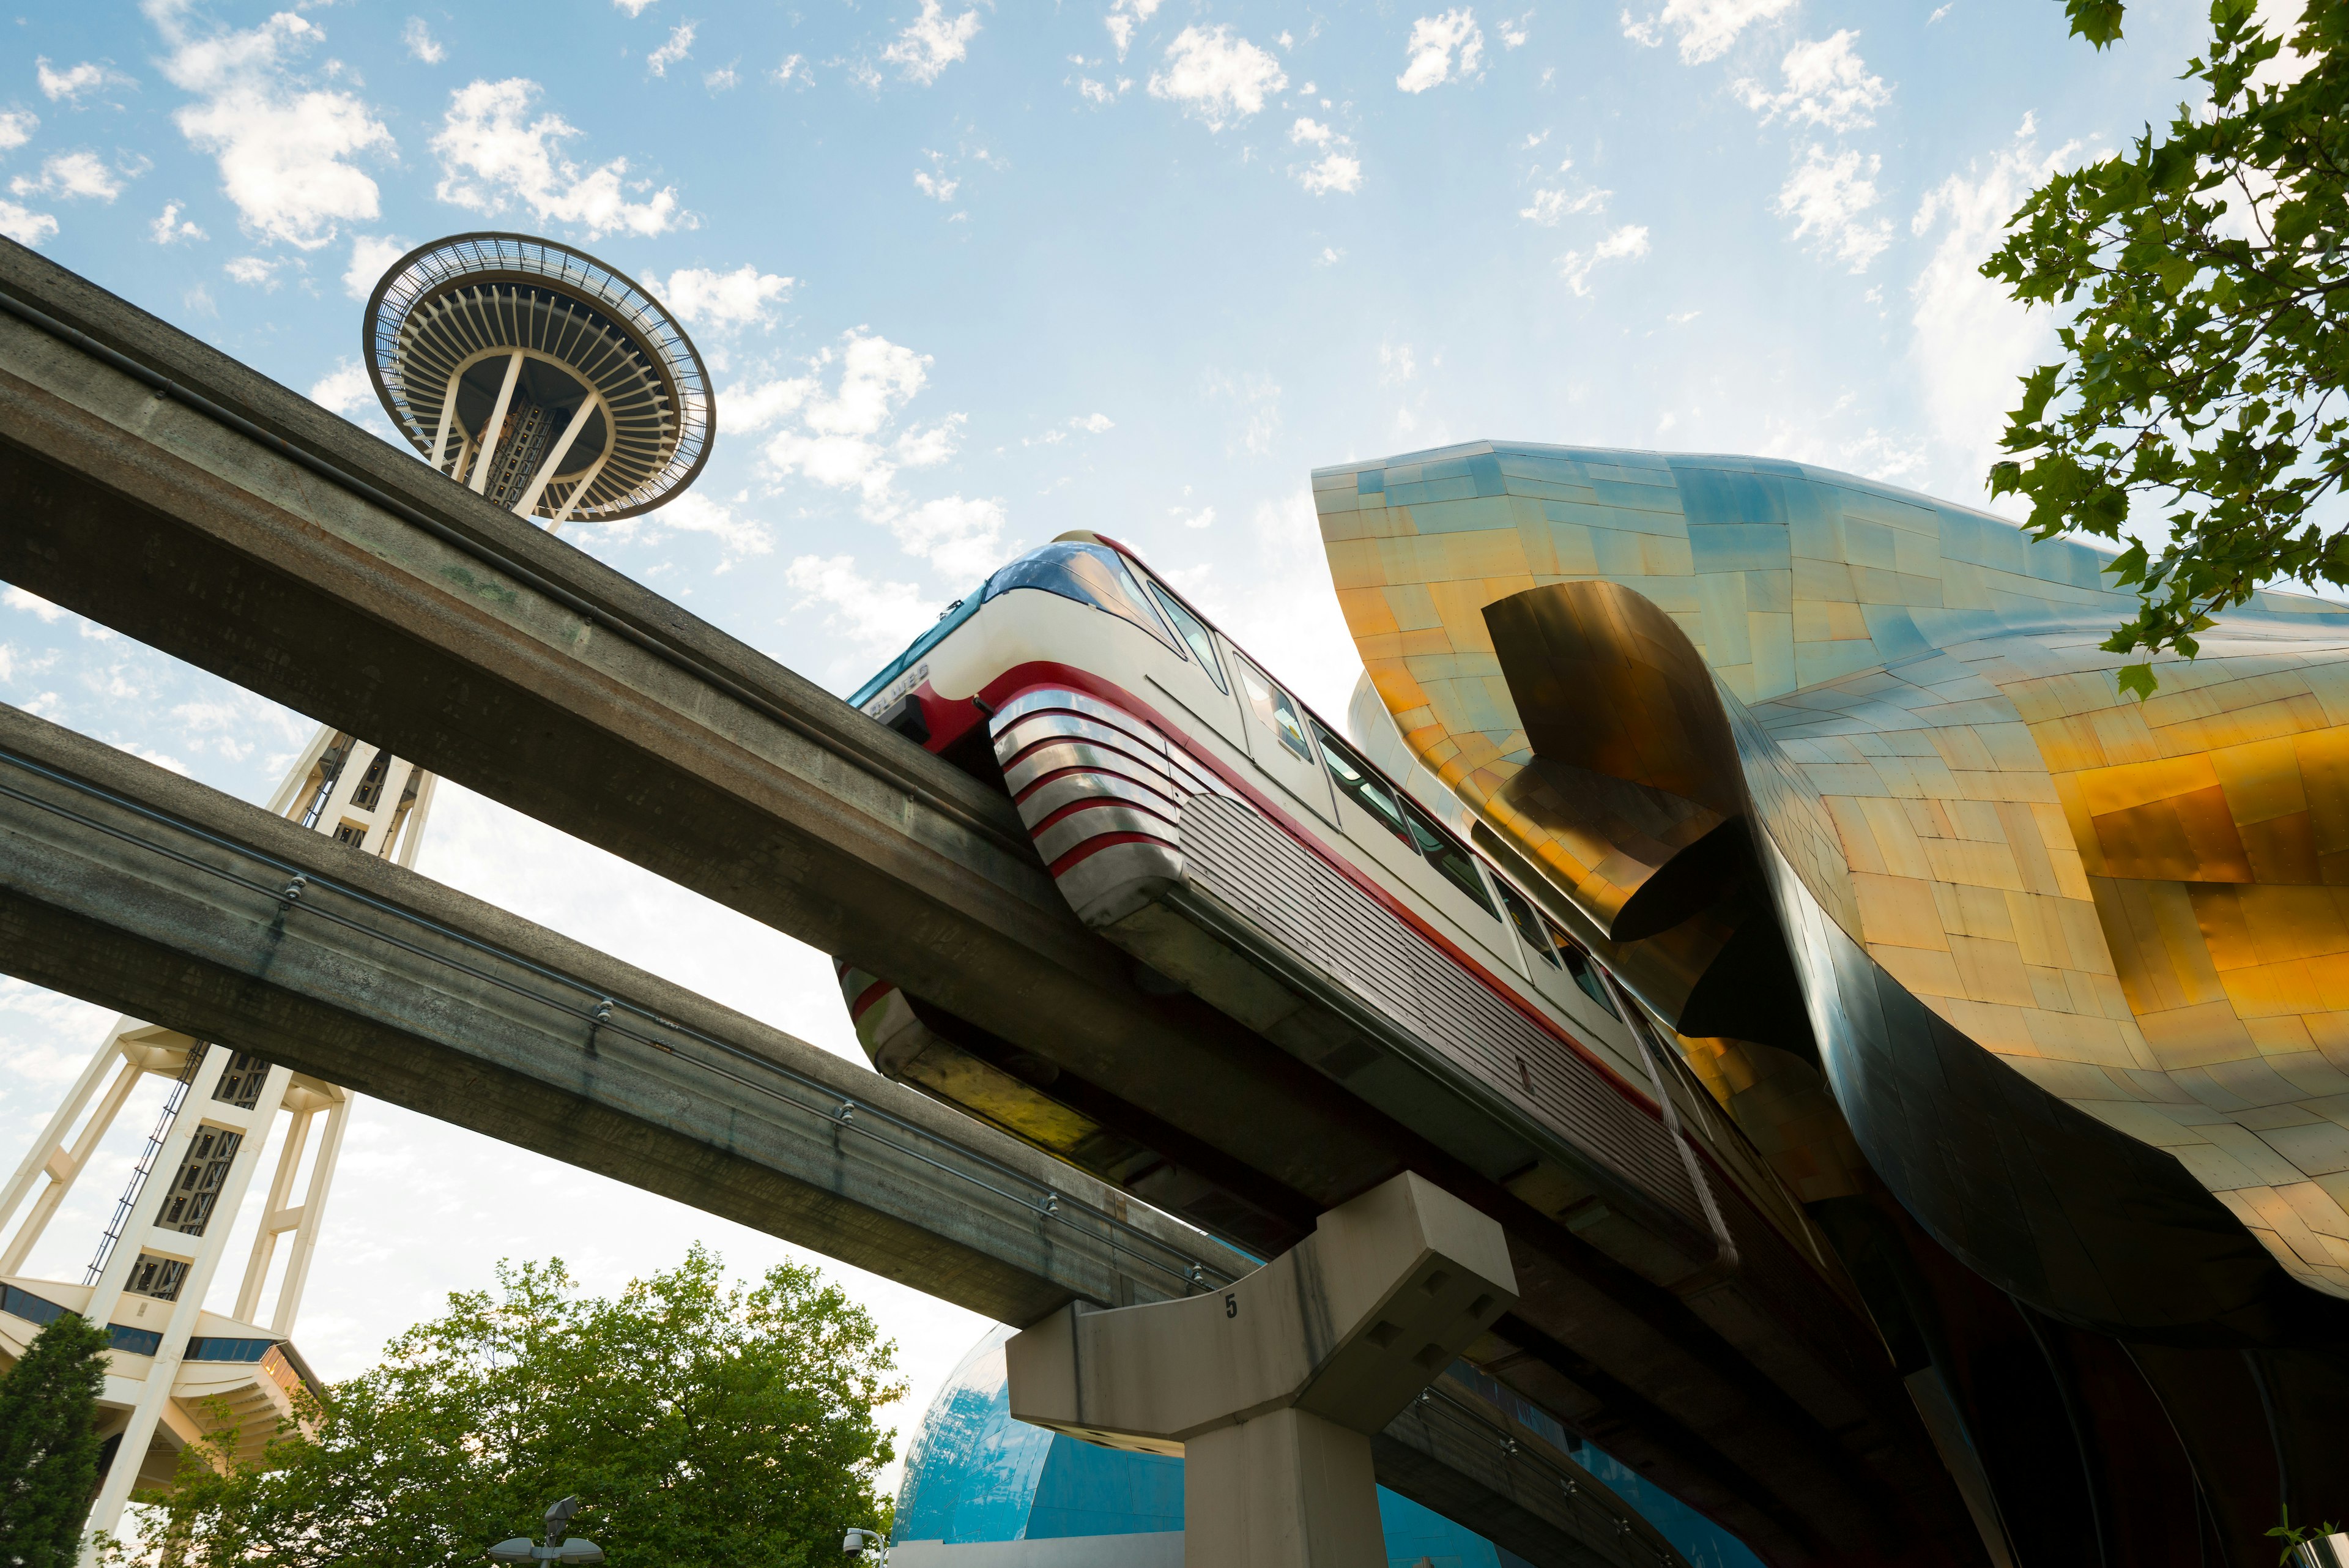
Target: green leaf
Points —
{"points": [[2136, 679], [2098, 21]]}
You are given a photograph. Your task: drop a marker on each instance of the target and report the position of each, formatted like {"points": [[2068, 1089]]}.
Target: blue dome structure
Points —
{"points": [[984, 1491]]}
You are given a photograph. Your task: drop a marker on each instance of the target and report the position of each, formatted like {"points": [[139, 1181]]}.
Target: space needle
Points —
{"points": [[538, 377], [552, 387]]}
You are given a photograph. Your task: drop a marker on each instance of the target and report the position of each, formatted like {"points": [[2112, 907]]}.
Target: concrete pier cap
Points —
{"points": [[1272, 1387]]}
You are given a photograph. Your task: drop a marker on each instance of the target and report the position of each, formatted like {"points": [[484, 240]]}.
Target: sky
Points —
{"points": [[969, 275]]}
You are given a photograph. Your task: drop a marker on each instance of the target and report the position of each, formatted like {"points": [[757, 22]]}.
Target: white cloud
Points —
{"points": [[1204, 517], [844, 439], [697, 512], [24, 226], [24, 599], [756, 407], [722, 79], [1216, 79], [1396, 364], [1828, 85], [794, 67], [74, 81], [284, 150], [1514, 34], [491, 159], [934, 181], [931, 43], [1627, 243], [834, 439], [1331, 256], [961, 537], [17, 128], [347, 388], [420, 42], [1091, 425], [1338, 171], [1101, 94], [1124, 17], [1826, 195], [679, 46], [633, 7], [861, 610], [1705, 28], [169, 228], [1550, 206], [1972, 340], [371, 257], [926, 447], [253, 272], [1432, 41], [74, 175], [724, 301]]}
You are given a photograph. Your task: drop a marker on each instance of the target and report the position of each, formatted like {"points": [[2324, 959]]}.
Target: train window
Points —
{"points": [[1448, 857], [1091, 575], [1192, 633], [1580, 965], [1369, 791], [1273, 706], [1528, 924]]}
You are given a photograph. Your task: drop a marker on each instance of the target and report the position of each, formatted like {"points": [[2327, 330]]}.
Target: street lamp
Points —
{"points": [[578, 1551]]}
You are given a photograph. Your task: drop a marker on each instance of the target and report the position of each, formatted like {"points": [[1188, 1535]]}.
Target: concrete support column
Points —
{"points": [[1287, 1487], [1272, 1389]]}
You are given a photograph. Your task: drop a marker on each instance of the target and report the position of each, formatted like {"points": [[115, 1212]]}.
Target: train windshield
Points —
{"points": [[1091, 575]]}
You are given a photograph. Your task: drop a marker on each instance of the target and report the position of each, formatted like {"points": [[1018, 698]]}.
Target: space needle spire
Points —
{"points": [[552, 387]]}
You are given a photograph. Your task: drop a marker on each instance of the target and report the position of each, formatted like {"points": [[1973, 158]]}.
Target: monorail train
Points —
{"points": [[1204, 819]]}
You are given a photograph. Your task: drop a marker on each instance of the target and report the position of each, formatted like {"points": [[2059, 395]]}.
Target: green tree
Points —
{"points": [[2205, 273], [699, 1422], [48, 1444]]}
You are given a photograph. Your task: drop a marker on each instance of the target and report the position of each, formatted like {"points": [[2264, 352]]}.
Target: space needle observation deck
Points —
{"points": [[538, 377]]}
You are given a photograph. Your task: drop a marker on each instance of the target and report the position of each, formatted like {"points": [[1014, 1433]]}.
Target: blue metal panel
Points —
{"points": [[1086, 1489], [971, 1469]]}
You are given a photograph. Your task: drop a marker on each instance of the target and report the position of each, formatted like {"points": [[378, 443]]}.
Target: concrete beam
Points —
{"points": [[143, 891], [135, 888]]}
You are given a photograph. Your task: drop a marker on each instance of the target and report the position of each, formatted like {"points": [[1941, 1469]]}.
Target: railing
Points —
{"points": [[172, 1104]]}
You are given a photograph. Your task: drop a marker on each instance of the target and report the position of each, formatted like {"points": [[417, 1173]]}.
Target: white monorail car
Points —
{"points": [[1202, 818]]}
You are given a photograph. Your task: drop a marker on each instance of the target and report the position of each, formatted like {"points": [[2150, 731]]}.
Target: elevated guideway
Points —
{"points": [[135, 888], [166, 491]]}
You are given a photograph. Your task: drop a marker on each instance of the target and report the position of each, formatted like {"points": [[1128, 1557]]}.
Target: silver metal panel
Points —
{"points": [[1075, 828], [1232, 853]]}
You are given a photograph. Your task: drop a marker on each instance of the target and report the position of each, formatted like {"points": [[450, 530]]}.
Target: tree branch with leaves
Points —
{"points": [[2204, 274]]}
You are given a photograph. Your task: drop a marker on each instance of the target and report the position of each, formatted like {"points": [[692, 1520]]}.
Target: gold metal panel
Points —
{"points": [[2136, 900]]}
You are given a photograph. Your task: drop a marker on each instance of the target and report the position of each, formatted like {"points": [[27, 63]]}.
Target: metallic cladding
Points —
{"points": [[1983, 853]]}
